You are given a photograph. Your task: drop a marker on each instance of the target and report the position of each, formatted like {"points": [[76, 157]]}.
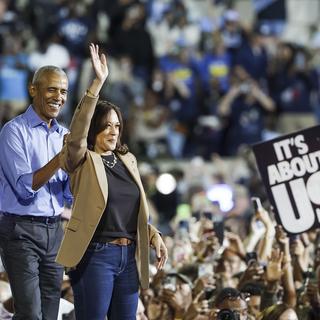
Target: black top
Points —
{"points": [[119, 219]]}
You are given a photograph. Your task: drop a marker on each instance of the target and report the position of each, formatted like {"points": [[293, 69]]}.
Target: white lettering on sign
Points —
{"points": [[296, 167], [300, 169]]}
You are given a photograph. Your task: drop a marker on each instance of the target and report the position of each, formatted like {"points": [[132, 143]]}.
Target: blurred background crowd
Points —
{"points": [[198, 82], [192, 77]]}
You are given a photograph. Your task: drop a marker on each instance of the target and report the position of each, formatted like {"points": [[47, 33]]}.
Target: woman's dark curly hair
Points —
{"points": [[99, 123]]}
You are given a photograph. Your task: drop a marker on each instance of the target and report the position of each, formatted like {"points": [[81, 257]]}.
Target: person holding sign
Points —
{"points": [[289, 167]]}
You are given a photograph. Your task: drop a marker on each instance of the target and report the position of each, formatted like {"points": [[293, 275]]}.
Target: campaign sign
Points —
{"points": [[290, 169]]}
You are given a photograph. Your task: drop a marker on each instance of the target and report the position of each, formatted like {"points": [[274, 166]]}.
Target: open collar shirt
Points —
{"points": [[26, 145]]}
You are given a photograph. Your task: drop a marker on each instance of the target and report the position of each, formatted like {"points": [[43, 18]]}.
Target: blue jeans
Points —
{"points": [[106, 282]]}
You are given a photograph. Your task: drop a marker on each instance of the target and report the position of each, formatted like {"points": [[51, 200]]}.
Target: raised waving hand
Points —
{"points": [[100, 67]]}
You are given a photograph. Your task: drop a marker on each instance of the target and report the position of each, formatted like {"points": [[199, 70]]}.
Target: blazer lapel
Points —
{"points": [[101, 174], [129, 164]]}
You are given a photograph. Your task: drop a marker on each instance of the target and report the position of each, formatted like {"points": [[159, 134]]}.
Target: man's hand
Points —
{"points": [[161, 250], [274, 266], [281, 236], [199, 308]]}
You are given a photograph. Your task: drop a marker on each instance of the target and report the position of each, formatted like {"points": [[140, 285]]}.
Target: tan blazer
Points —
{"points": [[89, 186]]}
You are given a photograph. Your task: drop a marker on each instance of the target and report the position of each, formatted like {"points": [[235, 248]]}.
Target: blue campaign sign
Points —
{"points": [[290, 169]]}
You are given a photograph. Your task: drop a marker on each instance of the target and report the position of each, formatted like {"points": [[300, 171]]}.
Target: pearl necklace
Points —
{"points": [[110, 164]]}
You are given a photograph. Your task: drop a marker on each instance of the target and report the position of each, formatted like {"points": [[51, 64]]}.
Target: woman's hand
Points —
{"points": [[235, 244], [161, 250], [99, 63]]}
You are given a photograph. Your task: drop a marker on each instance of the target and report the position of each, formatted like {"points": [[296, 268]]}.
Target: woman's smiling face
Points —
{"points": [[106, 140]]}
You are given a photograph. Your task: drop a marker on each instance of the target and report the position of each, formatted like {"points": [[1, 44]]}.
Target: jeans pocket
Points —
{"points": [[96, 246]]}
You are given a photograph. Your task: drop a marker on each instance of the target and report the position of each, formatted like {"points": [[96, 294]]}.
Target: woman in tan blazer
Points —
{"points": [[107, 239]]}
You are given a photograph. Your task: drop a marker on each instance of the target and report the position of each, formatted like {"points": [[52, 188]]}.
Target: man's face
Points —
{"points": [[49, 95], [237, 305]]}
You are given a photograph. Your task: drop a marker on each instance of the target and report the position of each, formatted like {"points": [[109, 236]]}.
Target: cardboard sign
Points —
{"points": [[290, 169]]}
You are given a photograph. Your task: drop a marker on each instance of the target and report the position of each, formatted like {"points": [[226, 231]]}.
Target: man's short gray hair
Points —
{"points": [[46, 69]]}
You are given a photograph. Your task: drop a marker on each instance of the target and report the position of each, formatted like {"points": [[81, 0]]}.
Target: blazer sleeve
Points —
{"points": [[74, 150], [152, 231]]}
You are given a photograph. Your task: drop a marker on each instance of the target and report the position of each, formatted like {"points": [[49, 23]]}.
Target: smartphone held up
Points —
{"points": [[257, 205]]}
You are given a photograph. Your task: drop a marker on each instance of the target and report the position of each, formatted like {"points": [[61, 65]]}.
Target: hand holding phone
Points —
{"points": [[169, 283], [257, 205], [260, 213], [251, 257]]}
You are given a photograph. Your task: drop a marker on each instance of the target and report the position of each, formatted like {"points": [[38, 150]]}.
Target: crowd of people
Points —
{"points": [[236, 258], [191, 78], [266, 275], [190, 84]]}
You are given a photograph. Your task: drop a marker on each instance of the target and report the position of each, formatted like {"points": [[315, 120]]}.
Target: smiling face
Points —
{"points": [[49, 94], [106, 140]]}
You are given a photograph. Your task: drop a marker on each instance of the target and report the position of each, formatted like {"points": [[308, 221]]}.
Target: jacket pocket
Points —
{"points": [[73, 224]]}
